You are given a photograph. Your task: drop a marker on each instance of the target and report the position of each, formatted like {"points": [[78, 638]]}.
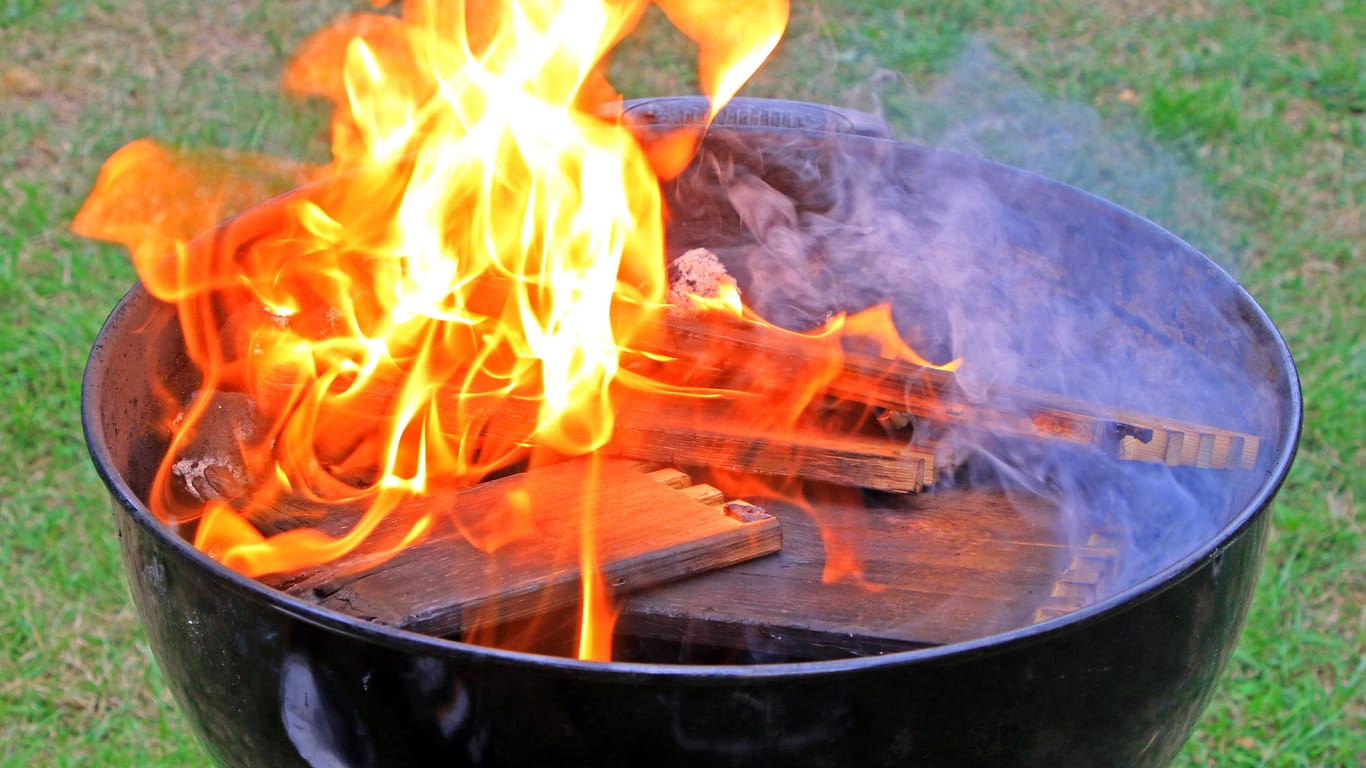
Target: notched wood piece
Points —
{"points": [[929, 393], [509, 549]]}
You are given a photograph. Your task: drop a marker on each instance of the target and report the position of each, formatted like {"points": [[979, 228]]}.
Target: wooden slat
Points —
{"points": [[727, 354], [703, 434], [646, 533], [934, 395], [946, 567], [851, 460]]}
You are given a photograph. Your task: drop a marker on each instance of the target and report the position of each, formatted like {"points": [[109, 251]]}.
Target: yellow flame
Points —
{"points": [[484, 237], [481, 252]]}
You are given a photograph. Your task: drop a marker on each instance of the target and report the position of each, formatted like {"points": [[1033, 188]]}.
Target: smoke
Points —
{"points": [[980, 106], [1032, 284]]}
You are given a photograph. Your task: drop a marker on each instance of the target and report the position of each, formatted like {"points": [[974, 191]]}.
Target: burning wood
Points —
{"points": [[952, 588], [648, 529], [739, 360], [933, 394], [210, 463], [949, 567], [852, 460], [703, 435]]}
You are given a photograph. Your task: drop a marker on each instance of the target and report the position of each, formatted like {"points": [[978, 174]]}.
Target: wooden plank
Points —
{"points": [[933, 394], [646, 533], [942, 567], [699, 440], [655, 428], [723, 353]]}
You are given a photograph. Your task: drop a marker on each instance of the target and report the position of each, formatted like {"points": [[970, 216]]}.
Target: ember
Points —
{"points": [[392, 359]]}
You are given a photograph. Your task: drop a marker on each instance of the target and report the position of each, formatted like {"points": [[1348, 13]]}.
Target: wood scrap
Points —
{"points": [[645, 532], [934, 395], [941, 568], [721, 352], [679, 438]]}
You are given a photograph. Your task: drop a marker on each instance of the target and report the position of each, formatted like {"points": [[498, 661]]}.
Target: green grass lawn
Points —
{"points": [[1240, 125]]}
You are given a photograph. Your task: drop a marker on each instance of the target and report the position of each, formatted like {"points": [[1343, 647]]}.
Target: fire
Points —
{"points": [[485, 238]]}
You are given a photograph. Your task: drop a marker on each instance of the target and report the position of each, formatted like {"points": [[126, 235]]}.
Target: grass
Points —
{"points": [[1241, 125]]}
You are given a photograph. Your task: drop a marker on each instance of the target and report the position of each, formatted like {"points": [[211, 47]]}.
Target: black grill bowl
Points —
{"points": [[268, 680]]}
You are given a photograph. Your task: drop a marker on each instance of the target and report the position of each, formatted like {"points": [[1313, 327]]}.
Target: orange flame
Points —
{"points": [[483, 239], [479, 224]]}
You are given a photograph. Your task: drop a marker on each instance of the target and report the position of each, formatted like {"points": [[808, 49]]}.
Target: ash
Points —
{"points": [[697, 273]]}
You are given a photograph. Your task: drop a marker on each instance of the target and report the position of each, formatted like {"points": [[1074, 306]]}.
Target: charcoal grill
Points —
{"points": [[267, 679]]}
